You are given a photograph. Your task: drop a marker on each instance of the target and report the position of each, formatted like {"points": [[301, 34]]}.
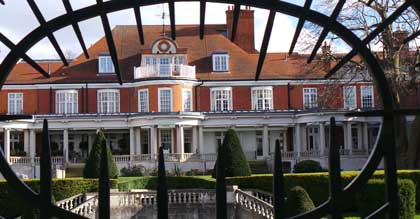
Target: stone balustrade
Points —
{"points": [[72, 202], [254, 204], [56, 160], [87, 208], [265, 196]]}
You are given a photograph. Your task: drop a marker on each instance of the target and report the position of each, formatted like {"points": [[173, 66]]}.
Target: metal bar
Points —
{"points": [[265, 42], [278, 184], [2, 2], [221, 202], [110, 42], [49, 33], [299, 26], [373, 113], [76, 28], [139, 24], [334, 170], [14, 117], [369, 38], [236, 13], [45, 179], [326, 30], [171, 4], [412, 37], [379, 212], [202, 17], [162, 189], [103, 193], [369, 2]]}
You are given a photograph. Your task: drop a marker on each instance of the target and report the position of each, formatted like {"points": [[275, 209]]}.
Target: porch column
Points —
{"points": [[265, 141], [200, 139], [137, 133], [194, 139], [90, 142], [32, 143], [26, 141], [66, 145], [322, 138], [365, 145], [153, 141], [298, 140], [7, 144], [180, 140], [348, 143], [132, 143], [359, 136]]}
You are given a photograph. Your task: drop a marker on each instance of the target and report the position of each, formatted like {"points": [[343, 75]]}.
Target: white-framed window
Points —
{"points": [[259, 142], [186, 100], [66, 101], [108, 101], [166, 139], [165, 99], [262, 98], [310, 99], [366, 95], [15, 103], [349, 93], [143, 98], [220, 62], [188, 141], [221, 99], [105, 64]]}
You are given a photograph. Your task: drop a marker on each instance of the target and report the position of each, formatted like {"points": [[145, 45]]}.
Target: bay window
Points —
{"points": [[186, 100], [165, 99], [143, 98]]}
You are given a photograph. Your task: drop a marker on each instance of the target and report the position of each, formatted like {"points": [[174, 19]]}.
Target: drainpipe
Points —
{"points": [[196, 95]]}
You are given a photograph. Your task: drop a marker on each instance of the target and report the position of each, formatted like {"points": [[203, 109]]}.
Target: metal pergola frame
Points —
{"points": [[334, 206]]}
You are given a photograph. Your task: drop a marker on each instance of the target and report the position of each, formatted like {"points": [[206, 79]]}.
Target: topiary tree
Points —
{"points": [[298, 201], [307, 166], [236, 163], [92, 166]]}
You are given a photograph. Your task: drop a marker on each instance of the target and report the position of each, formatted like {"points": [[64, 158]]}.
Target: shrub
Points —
{"points": [[236, 163], [308, 166], [174, 182], [298, 201], [133, 171], [371, 197], [92, 166]]}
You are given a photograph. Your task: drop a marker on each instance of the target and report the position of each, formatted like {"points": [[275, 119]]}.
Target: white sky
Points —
{"points": [[17, 20]]}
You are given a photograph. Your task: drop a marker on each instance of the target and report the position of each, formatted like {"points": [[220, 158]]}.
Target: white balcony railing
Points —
{"points": [[164, 70], [57, 160]]}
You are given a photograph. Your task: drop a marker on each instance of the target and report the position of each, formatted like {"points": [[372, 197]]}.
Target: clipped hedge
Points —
{"points": [[308, 166], [11, 204], [174, 182]]}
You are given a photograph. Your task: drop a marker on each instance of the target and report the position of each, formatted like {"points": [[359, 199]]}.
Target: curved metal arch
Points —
{"points": [[382, 149]]}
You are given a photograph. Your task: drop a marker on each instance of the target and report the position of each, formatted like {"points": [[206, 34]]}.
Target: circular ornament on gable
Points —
{"points": [[164, 46]]}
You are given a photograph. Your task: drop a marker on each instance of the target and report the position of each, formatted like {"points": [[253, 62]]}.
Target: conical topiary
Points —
{"points": [[92, 166], [235, 160], [298, 201]]}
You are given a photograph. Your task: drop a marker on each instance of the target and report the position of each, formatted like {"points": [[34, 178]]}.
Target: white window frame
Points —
{"points": [[140, 100], [63, 109], [220, 62], [185, 90], [213, 99], [308, 91], [15, 104], [159, 99], [117, 101], [172, 138], [363, 93], [265, 99], [103, 68], [345, 98]]}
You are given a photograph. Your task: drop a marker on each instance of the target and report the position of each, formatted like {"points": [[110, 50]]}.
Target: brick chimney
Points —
{"points": [[398, 38], [245, 32]]}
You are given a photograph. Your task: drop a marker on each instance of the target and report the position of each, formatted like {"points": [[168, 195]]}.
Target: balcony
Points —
{"points": [[164, 71]]}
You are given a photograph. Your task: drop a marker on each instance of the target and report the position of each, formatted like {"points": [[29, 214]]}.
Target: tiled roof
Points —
{"points": [[242, 64]]}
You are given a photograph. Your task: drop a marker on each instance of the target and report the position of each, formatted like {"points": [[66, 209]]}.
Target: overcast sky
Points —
{"points": [[17, 20]]}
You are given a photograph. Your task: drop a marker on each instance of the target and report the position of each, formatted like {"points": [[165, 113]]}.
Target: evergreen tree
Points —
{"points": [[92, 166], [298, 201], [235, 161]]}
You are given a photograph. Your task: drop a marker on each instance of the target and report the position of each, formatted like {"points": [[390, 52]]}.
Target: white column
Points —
{"points": [[322, 138], [26, 141], [303, 137], [365, 137], [180, 139], [66, 145], [348, 137], [200, 139], [137, 133], [359, 136], [298, 140], [194, 139], [7, 144], [265, 141], [90, 142], [153, 141], [32, 143], [132, 142]]}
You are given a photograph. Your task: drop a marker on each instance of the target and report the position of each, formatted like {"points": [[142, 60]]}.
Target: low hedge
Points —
{"points": [[175, 182], [11, 204]]}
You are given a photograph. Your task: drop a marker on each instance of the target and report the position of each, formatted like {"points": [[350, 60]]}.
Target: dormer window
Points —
{"points": [[105, 64], [221, 62]]}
